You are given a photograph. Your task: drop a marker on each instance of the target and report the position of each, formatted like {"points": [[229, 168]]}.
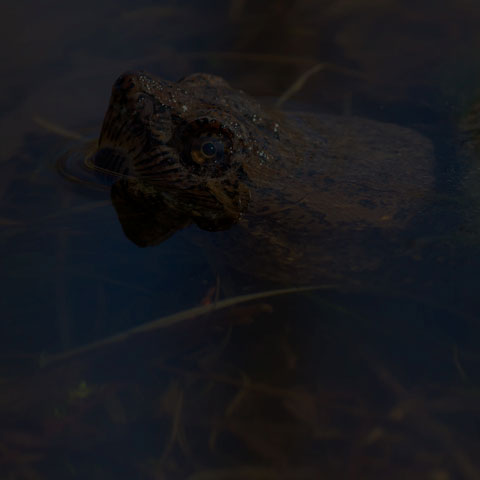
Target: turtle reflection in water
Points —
{"points": [[302, 194]]}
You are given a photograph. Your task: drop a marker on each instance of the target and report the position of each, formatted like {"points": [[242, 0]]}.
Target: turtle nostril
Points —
{"points": [[126, 82]]}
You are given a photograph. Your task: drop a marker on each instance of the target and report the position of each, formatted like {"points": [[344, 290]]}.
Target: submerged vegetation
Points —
{"points": [[235, 394]]}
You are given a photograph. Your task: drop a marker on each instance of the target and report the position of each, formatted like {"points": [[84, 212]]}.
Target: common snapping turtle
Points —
{"points": [[301, 194]]}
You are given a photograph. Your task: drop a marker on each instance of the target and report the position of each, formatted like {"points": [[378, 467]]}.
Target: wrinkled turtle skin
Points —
{"points": [[302, 194]]}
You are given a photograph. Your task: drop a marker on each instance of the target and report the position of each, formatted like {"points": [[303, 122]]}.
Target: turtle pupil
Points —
{"points": [[208, 149]]}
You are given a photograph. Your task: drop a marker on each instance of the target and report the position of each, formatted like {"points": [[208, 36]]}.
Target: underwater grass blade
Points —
{"points": [[169, 320]]}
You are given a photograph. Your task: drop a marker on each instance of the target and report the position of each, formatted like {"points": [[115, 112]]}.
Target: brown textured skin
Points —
{"points": [[302, 192]]}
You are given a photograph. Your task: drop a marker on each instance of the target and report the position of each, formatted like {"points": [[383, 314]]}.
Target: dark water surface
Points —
{"points": [[377, 378]]}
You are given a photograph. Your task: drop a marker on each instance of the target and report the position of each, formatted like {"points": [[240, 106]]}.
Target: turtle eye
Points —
{"points": [[208, 148], [205, 147]]}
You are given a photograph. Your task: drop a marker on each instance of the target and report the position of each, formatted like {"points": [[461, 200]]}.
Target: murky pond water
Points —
{"points": [[295, 316]]}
